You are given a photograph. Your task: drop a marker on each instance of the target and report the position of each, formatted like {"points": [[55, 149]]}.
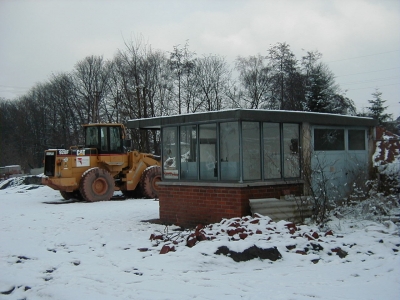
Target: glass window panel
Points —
{"points": [[208, 151], [328, 139], [92, 136], [356, 139], [251, 150], [169, 143], [188, 149], [104, 138], [272, 150], [115, 140], [291, 153], [229, 150]]}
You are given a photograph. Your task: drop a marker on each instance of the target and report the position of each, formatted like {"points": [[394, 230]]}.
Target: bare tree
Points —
{"points": [[30, 114], [213, 76], [69, 118], [255, 80], [91, 76], [182, 64], [140, 82], [9, 130], [145, 90]]}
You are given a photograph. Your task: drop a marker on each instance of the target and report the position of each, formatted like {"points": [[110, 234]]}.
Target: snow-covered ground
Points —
{"points": [[103, 250]]}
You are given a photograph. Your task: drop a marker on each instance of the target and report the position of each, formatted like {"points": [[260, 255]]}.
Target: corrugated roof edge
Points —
{"points": [[252, 115]]}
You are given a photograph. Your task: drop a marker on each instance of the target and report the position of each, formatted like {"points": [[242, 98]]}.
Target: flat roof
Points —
{"points": [[252, 115]]}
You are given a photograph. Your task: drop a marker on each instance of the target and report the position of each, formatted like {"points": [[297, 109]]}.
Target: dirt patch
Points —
{"points": [[251, 253]]}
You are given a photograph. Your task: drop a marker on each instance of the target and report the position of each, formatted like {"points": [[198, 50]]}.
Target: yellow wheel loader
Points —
{"points": [[103, 165]]}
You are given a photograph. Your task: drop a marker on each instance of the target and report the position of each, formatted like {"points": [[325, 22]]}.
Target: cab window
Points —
{"points": [[92, 137], [104, 139], [115, 139]]}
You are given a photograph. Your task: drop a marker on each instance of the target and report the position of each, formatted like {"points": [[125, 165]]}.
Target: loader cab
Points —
{"points": [[106, 138]]}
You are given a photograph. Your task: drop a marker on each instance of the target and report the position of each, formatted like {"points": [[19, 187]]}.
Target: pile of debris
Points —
{"points": [[21, 180], [261, 238]]}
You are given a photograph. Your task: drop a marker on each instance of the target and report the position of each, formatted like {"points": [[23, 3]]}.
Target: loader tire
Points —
{"points": [[135, 194], [97, 185], [71, 195], [66, 195], [148, 181]]}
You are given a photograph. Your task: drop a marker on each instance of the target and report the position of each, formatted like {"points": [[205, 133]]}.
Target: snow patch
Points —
{"points": [[103, 250]]}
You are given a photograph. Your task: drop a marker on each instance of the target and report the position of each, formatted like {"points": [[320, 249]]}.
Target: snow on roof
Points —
{"points": [[253, 115]]}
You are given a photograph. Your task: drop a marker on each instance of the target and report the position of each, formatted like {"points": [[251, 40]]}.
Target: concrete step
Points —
{"points": [[278, 209]]}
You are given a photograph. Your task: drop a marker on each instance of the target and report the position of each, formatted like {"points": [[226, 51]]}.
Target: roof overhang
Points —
{"points": [[252, 115]]}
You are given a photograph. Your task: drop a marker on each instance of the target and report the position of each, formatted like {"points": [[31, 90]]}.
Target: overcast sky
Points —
{"points": [[359, 39]]}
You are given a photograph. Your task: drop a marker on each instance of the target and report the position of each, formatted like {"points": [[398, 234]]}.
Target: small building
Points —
{"points": [[215, 162]]}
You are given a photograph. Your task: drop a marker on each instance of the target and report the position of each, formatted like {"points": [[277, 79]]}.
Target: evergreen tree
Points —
{"points": [[285, 78], [322, 94], [377, 110]]}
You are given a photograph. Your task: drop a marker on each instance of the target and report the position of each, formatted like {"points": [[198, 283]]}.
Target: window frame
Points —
{"points": [[346, 130], [217, 150]]}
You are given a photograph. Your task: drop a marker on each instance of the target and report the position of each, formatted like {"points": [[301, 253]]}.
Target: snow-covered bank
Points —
{"points": [[103, 251]]}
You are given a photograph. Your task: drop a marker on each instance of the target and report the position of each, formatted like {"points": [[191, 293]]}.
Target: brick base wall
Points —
{"points": [[190, 205]]}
